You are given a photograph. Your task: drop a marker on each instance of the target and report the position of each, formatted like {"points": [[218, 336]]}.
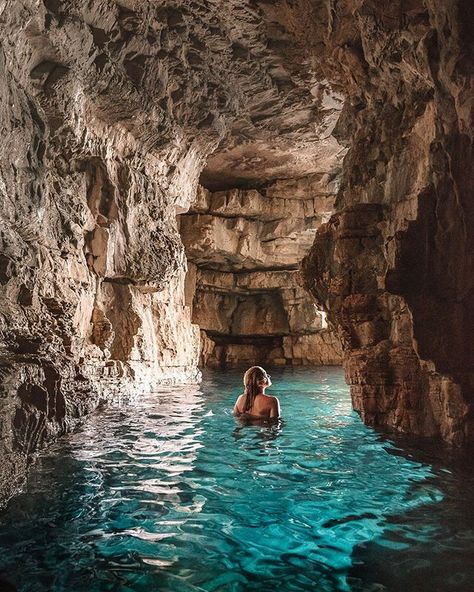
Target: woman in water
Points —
{"points": [[253, 403]]}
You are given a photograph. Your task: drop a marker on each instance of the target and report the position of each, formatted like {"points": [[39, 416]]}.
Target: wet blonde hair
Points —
{"points": [[252, 380]]}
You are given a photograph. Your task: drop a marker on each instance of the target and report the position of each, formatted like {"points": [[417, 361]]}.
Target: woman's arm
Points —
{"points": [[236, 406], [275, 411]]}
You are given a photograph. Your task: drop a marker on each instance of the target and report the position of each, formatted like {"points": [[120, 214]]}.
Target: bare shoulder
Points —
{"points": [[238, 403], [275, 406]]}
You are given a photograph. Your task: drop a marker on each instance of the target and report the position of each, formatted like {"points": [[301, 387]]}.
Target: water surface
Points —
{"points": [[174, 494]]}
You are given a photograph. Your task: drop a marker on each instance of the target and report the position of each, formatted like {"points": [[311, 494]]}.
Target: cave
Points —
{"points": [[192, 188]]}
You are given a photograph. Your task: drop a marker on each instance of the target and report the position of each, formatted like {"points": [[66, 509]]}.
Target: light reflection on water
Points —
{"points": [[175, 494]]}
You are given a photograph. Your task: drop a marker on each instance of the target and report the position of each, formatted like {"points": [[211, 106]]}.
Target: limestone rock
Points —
{"points": [[108, 113], [247, 245], [393, 267]]}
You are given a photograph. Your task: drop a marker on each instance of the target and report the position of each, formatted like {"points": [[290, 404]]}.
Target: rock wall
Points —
{"points": [[394, 267], [244, 289], [91, 264]]}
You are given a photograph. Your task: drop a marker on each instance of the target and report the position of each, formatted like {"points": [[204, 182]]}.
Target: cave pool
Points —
{"points": [[172, 493]]}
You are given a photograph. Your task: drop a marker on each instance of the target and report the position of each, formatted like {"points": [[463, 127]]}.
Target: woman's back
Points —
{"points": [[263, 406]]}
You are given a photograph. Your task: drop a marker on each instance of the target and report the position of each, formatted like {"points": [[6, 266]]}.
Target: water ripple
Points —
{"points": [[174, 494]]}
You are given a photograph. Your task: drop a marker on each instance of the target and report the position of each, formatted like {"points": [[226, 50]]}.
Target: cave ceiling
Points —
{"points": [[234, 80], [288, 110], [270, 104]]}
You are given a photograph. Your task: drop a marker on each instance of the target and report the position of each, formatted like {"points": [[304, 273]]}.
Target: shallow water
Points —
{"points": [[174, 494]]}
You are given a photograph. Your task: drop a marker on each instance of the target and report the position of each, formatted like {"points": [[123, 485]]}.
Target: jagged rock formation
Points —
{"points": [[394, 266], [244, 290]]}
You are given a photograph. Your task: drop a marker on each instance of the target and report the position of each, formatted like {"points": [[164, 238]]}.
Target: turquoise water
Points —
{"points": [[174, 494]]}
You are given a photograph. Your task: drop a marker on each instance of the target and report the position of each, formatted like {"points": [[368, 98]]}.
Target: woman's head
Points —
{"points": [[255, 381]]}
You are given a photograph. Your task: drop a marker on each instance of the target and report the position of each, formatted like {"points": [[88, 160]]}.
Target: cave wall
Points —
{"points": [[91, 265], [244, 246], [394, 266]]}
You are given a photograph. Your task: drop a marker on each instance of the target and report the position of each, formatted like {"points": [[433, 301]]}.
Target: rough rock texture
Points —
{"points": [[394, 266], [108, 112], [244, 289], [91, 264]]}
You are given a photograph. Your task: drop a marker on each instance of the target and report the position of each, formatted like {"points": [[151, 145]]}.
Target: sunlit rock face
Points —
{"points": [[244, 247], [394, 265], [108, 113], [93, 170]]}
